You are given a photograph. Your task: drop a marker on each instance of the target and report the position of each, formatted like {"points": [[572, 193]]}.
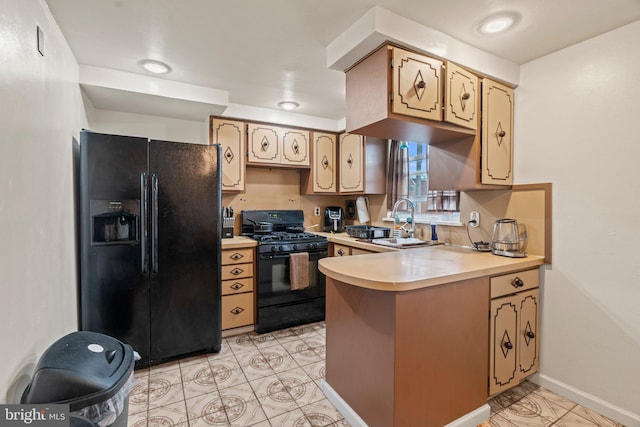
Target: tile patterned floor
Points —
{"points": [[272, 380]]}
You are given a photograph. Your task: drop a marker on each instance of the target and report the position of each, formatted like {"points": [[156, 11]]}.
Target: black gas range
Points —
{"points": [[278, 306]]}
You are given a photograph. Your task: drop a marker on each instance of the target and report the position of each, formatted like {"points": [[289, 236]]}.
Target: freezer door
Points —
{"points": [[185, 249], [113, 294]]}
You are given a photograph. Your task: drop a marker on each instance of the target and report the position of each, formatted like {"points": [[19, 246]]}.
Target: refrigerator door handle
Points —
{"points": [[154, 224], [143, 216]]}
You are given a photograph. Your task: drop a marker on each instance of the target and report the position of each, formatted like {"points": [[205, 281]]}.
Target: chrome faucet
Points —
{"points": [[410, 231]]}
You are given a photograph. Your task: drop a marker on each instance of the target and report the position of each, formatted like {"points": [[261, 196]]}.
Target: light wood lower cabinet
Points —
{"points": [[513, 341], [237, 288]]}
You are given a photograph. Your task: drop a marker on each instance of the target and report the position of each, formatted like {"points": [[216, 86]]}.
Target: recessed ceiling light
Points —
{"points": [[498, 23], [288, 105], [155, 67]]}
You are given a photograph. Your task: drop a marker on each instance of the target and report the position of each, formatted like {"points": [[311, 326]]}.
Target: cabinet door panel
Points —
{"points": [[503, 370], [264, 144], [237, 310], [237, 256], [528, 332], [351, 163], [237, 286], [295, 147], [417, 85], [236, 271], [324, 163], [231, 136], [497, 133], [461, 95]]}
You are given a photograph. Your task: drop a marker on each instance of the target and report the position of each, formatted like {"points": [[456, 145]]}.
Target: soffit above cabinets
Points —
{"points": [[133, 93]]}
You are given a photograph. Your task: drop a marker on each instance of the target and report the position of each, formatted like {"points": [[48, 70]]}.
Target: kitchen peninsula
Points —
{"points": [[408, 333]]}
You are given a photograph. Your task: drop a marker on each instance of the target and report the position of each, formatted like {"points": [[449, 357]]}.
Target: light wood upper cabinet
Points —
{"points": [[397, 94], [362, 164], [497, 133], [323, 176], [417, 85], [351, 163], [461, 92], [231, 136], [263, 144], [273, 145], [295, 147]]}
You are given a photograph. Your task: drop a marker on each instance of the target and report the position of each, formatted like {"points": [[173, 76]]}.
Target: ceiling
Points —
{"points": [[262, 52]]}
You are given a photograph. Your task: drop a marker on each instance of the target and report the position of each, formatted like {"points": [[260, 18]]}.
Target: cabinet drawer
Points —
{"points": [[238, 286], [237, 310], [341, 250], [237, 256], [237, 271], [514, 282]]}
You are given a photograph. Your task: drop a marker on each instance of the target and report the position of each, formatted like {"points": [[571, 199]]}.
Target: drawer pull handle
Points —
{"points": [[237, 271], [236, 256], [517, 282], [237, 286], [530, 334], [237, 310]]}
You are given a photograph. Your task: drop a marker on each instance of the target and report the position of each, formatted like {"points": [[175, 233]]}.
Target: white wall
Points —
{"points": [[576, 125], [41, 113], [147, 126]]}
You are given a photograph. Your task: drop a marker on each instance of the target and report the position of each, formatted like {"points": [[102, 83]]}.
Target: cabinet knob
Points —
{"points": [[508, 345], [340, 252], [325, 162], [466, 96], [421, 84], [517, 282], [501, 134], [530, 334]]}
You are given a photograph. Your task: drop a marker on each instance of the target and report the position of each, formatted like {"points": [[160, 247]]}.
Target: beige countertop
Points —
{"points": [[409, 269], [238, 242]]}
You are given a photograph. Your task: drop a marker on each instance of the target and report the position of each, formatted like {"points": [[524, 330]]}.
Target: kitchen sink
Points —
{"points": [[402, 242]]}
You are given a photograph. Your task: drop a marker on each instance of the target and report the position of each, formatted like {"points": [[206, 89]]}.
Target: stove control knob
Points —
{"points": [[295, 247], [273, 248], [280, 248], [314, 245]]}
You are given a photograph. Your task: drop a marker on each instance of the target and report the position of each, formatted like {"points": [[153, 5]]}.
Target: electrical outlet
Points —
{"points": [[316, 211], [474, 216]]}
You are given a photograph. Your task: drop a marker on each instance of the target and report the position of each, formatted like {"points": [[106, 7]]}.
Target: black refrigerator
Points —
{"points": [[150, 229]]}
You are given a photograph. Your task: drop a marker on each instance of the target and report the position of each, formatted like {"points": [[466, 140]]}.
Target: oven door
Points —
{"points": [[274, 285]]}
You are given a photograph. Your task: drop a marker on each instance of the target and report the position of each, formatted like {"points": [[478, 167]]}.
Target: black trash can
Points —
{"points": [[91, 372]]}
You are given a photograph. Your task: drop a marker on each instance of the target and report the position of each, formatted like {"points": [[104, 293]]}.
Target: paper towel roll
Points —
{"points": [[362, 205]]}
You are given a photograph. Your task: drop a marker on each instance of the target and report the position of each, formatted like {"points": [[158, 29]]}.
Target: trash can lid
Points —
{"points": [[81, 368]]}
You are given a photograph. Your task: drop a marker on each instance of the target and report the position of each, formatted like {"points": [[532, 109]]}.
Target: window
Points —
{"points": [[427, 201], [443, 205]]}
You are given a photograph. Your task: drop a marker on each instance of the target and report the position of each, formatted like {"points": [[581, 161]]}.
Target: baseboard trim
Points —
{"points": [[343, 407], [587, 400], [472, 419]]}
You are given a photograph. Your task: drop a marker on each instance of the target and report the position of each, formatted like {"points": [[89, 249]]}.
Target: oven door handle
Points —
{"points": [[282, 256]]}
